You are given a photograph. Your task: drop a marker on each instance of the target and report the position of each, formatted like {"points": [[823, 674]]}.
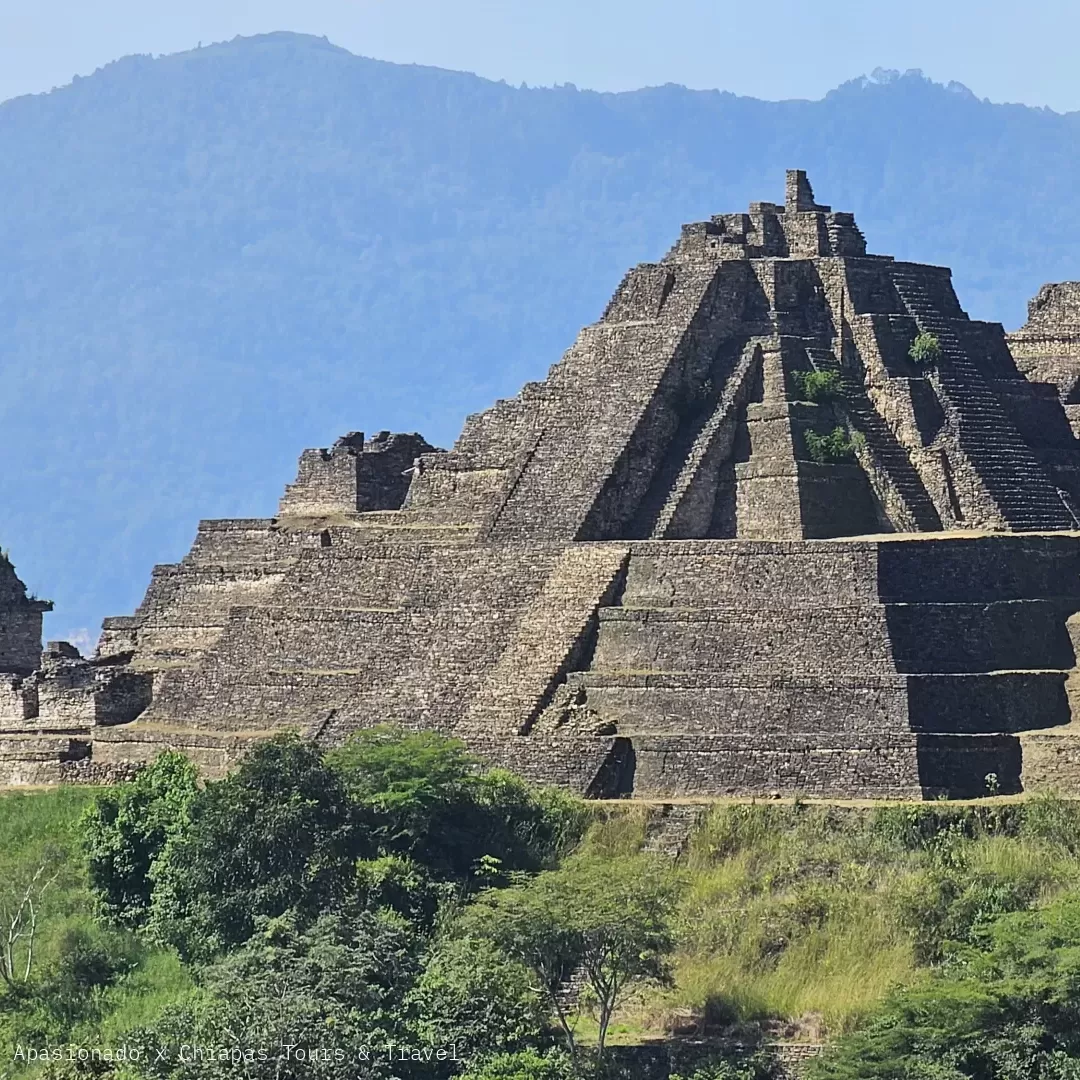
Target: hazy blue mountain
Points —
{"points": [[215, 259]]}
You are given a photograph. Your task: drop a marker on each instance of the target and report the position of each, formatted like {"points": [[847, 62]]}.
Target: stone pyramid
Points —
{"points": [[738, 542]]}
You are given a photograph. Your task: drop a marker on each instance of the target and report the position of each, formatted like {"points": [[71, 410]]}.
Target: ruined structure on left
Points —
{"points": [[50, 702]]}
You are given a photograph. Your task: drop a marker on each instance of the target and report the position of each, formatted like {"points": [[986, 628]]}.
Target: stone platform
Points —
{"points": [[894, 667], [744, 539]]}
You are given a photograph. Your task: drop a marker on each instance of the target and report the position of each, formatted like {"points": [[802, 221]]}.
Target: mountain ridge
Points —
{"points": [[877, 77], [216, 258]]}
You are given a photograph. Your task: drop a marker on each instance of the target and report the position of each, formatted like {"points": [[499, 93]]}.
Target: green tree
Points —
{"points": [[275, 836], [524, 826], [609, 918], [323, 1003], [420, 796], [473, 997], [126, 828], [523, 1065], [409, 789], [403, 885]]}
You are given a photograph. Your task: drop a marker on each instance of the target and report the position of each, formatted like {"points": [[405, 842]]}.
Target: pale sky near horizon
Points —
{"points": [[1001, 49]]}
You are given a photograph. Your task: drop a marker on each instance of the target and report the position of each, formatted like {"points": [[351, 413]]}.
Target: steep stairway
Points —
{"points": [[697, 434], [712, 444], [888, 455], [544, 641], [1008, 468]]}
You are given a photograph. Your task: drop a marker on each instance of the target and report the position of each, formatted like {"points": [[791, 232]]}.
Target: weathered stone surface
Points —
{"points": [[683, 1056], [658, 572], [1047, 346], [20, 623], [354, 475]]}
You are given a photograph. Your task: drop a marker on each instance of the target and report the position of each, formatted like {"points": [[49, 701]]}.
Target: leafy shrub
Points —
{"points": [[940, 907], [1050, 819], [916, 826], [338, 986], [400, 884], [275, 836], [524, 826], [818, 387], [1007, 1009], [85, 962], [126, 828], [925, 350], [473, 997], [835, 447], [755, 1066], [525, 1065]]}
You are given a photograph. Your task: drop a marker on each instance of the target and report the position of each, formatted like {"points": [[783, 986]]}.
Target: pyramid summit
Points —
{"points": [[783, 520]]}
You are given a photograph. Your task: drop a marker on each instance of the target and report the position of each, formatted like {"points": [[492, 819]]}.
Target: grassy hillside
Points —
{"points": [[41, 858], [791, 921], [802, 918], [215, 259]]}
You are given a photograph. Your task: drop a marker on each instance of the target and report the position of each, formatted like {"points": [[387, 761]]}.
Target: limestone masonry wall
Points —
{"points": [[738, 542], [1047, 346]]}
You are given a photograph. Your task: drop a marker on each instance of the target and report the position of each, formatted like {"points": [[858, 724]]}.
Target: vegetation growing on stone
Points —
{"points": [[817, 387], [834, 447], [925, 349]]}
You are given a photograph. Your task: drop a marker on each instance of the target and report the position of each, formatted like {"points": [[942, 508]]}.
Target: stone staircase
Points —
{"points": [[570, 991], [544, 642], [696, 434], [1009, 470], [888, 455], [712, 443], [670, 827], [515, 474]]}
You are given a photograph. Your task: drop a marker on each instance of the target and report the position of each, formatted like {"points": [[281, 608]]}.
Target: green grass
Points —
{"points": [[796, 919], [136, 1001], [41, 828], [800, 919], [616, 831], [29, 819], [38, 829]]}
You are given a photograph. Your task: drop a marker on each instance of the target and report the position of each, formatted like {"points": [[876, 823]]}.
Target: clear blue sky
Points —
{"points": [[1002, 49]]}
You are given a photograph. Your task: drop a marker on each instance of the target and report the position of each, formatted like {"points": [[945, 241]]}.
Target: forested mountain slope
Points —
{"points": [[215, 259]]}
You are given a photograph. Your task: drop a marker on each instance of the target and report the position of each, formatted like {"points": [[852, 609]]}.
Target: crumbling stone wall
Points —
{"points": [[354, 475], [50, 702], [1047, 346], [20, 622]]}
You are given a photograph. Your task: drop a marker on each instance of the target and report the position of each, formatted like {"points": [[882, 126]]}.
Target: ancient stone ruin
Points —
{"points": [[52, 702], [744, 539], [1047, 347]]}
